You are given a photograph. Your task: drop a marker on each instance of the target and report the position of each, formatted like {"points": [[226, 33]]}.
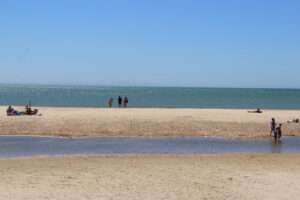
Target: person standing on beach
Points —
{"points": [[279, 131], [110, 102], [125, 102], [273, 127], [120, 101]]}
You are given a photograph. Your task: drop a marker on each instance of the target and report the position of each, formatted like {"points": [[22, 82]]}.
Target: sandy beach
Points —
{"points": [[148, 122], [152, 177]]}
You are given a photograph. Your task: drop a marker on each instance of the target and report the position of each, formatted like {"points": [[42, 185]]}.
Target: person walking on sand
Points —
{"points": [[120, 101], [110, 102], [273, 127], [125, 102]]}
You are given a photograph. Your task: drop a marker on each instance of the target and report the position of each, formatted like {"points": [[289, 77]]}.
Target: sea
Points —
{"points": [[150, 97]]}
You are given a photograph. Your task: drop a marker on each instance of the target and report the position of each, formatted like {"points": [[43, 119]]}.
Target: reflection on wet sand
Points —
{"points": [[276, 146]]}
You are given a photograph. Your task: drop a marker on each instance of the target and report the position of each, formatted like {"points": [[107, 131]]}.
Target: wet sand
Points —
{"points": [[248, 176], [149, 122]]}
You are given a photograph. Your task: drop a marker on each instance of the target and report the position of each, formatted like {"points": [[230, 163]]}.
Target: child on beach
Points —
{"points": [[279, 131]]}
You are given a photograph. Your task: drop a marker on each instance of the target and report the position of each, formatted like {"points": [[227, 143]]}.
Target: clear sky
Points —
{"points": [[222, 43]]}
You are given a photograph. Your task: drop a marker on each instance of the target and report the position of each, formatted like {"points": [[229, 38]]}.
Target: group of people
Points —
{"points": [[276, 131], [122, 102], [28, 111]]}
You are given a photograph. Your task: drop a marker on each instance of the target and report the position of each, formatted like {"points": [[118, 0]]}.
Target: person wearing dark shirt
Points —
{"points": [[120, 101], [273, 126]]}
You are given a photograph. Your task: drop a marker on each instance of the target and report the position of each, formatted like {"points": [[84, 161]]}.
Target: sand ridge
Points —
{"points": [[147, 122]]}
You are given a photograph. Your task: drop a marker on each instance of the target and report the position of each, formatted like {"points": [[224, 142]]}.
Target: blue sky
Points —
{"points": [[232, 43]]}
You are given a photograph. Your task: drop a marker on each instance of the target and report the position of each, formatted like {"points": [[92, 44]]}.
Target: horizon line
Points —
{"points": [[141, 85]]}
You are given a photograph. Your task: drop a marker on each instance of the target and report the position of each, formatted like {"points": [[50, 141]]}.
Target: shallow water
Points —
{"points": [[23, 146]]}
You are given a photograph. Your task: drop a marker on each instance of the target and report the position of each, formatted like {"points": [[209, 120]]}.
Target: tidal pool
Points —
{"points": [[27, 146]]}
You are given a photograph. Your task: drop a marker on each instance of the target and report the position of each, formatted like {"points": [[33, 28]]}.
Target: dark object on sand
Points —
{"points": [[28, 111], [258, 110]]}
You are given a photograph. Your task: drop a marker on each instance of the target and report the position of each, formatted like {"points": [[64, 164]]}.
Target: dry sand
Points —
{"points": [[232, 176], [147, 122], [152, 177]]}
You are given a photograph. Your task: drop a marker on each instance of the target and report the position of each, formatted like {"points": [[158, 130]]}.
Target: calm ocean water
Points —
{"points": [[94, 96]]}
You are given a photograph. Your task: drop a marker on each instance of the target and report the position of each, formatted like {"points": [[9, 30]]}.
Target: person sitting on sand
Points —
{"points": [[273, 126], [293, 121], [29, 111], [258, 110], [11, 111]]}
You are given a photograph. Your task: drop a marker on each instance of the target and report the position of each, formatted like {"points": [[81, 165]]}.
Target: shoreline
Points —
{"points": [[148, 108], [258, 138], [147, 122], [142, 156]]}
